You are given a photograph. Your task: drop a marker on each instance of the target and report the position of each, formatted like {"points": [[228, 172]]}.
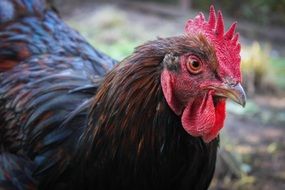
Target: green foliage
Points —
{"points": [[108, 32], [278, 65], [258, 72], [116, 33], [255, 60], [262, 11]]}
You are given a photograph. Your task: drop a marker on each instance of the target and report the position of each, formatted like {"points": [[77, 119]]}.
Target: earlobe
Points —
{"points": [[167, 84], [171, 62]]}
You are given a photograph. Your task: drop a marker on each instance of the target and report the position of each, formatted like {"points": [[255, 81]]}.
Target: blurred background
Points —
{"points": [[252, 151]]}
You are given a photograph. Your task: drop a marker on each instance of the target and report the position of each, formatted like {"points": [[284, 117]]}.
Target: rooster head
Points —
{"points": [[197, 82]]}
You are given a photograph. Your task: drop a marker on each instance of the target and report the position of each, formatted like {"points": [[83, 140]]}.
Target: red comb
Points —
{"points": [[225, 43]]}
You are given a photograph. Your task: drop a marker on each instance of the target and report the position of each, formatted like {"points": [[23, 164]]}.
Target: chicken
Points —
{"points": [[70, 120]]}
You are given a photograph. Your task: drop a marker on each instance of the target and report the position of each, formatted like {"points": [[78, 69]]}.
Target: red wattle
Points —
{"points": [[201, 118], [220, 113]]}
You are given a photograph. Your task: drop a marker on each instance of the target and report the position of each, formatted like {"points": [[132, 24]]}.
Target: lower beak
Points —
{"points": [[234, 92]]}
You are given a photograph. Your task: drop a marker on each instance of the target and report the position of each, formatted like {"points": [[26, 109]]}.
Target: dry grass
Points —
{"points": [[257, 69]]}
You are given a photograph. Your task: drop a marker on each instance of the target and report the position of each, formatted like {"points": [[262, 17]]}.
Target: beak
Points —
{"points": [[234, 92]]}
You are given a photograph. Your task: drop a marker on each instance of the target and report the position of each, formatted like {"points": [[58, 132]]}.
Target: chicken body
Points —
{"points": [[46, 73]]}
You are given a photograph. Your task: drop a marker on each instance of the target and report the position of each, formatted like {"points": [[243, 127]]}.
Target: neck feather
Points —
{"points": [[129, 112]]}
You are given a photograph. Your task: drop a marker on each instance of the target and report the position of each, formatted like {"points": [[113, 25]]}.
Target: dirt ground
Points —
{"points": [[260, 145]]}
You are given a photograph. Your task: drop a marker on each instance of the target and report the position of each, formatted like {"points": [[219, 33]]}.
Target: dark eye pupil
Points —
{"points": [[195, 64]]}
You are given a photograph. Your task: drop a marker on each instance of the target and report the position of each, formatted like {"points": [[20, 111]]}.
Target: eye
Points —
{"points": [[194, 65]]}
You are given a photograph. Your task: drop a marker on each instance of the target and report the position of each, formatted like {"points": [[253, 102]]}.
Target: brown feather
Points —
{"points": [[132, 132]]}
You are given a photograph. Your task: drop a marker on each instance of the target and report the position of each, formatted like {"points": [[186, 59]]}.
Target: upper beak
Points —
{"points": [[234, 92]]}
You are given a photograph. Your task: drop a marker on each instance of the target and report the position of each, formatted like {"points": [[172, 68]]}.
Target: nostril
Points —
{"points": [[230, 81]]}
